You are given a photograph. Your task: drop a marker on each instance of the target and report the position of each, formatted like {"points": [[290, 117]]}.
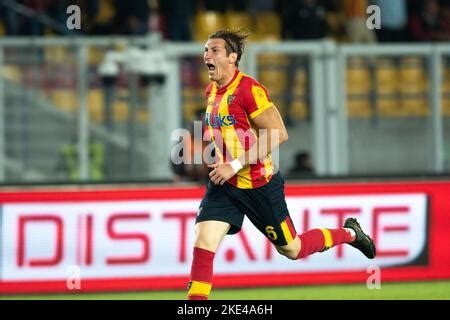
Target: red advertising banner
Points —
{"points": [[141, 239]]}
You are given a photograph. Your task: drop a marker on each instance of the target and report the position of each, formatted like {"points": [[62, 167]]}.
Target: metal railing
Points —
{"points": [[68, 85], [433, 53]]}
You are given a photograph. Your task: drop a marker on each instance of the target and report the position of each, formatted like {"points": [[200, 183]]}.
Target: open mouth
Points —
{"points": [[210, 67]]}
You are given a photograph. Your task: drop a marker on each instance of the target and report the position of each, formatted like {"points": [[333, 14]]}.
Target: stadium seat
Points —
{"points": [[386, 77], [207, 22], [272, 71], [416, 107], [412, 79], [142, 116], [358, 76], [387, 89], [120, 111], [238, 20], [12, 72], [95, 55], [300, 81], [413, 87], [65, 99], [299, 88], [412, 76], [119, 104], [267, 27], [96, 105], [274, 79], [446, 92], [389, 108], [446, 106], [359, 108], [58, 54], [300, 75], [267, 59], [299, 109], [358, 80], [446, 80], [106, 12], [359, 86]]}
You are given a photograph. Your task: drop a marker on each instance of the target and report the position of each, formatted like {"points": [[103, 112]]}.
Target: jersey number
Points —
{"points": [[270, 233]]}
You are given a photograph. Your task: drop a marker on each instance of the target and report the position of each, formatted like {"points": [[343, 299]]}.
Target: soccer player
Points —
{"points": [[246, 127]]}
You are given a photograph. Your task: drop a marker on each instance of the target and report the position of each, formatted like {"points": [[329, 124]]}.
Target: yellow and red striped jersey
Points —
{"points": [[228, 119]]}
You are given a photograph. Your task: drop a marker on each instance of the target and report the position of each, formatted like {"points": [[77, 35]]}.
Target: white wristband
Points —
{"points": [[236, 165]]}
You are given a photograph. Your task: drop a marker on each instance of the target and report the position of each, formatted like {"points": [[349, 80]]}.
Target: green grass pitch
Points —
{"points": [[434, 290]]}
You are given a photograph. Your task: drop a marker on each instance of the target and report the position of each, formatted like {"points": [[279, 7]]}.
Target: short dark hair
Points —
{"points": [[234, 41]]}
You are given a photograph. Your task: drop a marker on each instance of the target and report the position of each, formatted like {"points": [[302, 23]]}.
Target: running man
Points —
{"points": [[246, 127]]}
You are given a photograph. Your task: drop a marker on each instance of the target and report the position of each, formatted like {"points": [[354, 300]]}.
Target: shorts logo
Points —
{"points": [[271, 233]]}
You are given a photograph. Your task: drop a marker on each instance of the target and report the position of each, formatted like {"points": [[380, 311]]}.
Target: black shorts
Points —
{"points": [[264, 206]]}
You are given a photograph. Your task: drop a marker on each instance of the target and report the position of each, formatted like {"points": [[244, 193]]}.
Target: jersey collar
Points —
{"points": [[224, 88]]}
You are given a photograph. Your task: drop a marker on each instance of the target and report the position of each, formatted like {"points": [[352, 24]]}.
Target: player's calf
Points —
{"points": [[315, 240], [319, 240]]}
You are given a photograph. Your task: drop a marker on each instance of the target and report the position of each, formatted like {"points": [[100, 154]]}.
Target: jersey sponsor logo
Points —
{"points": [[216, 121]]}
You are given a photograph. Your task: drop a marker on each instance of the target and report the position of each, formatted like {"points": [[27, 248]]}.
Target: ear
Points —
{"points": [[232, 58]]}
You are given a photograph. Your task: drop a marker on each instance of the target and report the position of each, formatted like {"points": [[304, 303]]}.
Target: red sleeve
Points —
{"points": [[255, 99]]}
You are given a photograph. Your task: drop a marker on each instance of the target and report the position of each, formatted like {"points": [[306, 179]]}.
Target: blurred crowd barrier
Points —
{"points": [[118, 238], [104, 109]]}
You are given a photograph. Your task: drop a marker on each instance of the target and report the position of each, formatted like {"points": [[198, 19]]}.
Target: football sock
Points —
{"points": [[201, 274], [318, 240], [352, 233]]}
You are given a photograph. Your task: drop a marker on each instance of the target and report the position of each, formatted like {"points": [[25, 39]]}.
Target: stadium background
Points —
{"points": [[86, 123]]}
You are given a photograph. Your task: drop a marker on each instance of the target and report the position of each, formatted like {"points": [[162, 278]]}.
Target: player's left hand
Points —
{"points": [[221, 173]]}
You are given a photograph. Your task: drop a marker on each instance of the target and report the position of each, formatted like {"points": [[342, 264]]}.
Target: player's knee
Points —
{"points": [[207, 242], [292, 255], [288, 253], [209, 234], [290, 250]]}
